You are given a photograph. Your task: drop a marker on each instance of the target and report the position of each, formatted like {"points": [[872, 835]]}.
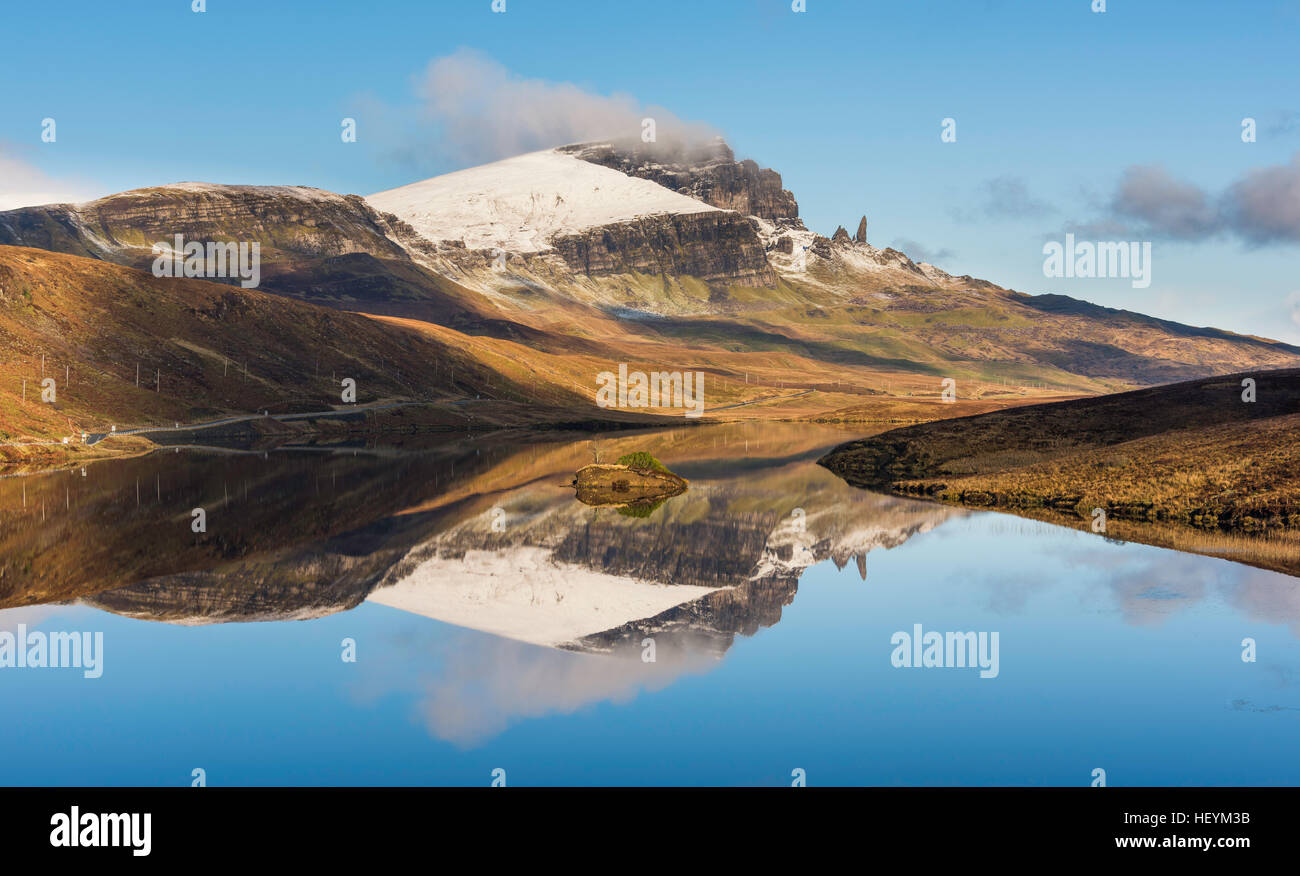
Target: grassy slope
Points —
{"points": [[1192, 453], [853, 347], [206, 350]]}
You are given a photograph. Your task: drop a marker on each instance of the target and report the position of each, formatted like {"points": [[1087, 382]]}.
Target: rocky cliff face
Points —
{"points": [[708, 172], [721, 552], [323, 247], [708, 625], [721, 247], [247, 594], [337, 249], [122, 228]]}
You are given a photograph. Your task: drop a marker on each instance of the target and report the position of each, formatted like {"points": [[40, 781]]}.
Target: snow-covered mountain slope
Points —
{"points": [[520, 203]]}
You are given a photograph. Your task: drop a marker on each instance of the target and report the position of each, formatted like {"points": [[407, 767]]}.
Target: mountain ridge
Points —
{"points": [[785, 323]]}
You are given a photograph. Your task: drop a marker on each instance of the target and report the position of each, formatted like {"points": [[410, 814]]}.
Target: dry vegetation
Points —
{"points": [[1192, 453], [205, 351]]}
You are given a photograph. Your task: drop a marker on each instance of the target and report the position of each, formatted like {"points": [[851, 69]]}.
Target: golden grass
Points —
{"points": [[1192, 454]]}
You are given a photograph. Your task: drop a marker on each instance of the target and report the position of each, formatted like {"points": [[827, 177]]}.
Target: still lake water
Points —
{"points": [[500, 624]]}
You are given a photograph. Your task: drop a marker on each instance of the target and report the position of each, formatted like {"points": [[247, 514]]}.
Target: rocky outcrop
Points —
{"points": [[714, 246], [861, 236], [706, 171], [821, 246]]}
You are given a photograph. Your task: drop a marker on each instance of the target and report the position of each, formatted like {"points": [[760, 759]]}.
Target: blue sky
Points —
{"points": [[1126, 122]]}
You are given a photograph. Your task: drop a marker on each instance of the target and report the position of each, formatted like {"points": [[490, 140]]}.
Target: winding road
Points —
{"points": [[93, 438]]}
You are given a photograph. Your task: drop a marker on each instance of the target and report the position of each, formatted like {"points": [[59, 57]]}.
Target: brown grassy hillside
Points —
{"points": [[1191, 453], [206, 351]]}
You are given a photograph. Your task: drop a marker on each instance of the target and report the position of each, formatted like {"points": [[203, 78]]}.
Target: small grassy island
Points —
{"points": [[636, 485]]}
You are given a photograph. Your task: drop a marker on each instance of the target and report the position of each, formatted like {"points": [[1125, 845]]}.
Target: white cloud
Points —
{"points": [[492, 683], [22, 184], [473, 110]]}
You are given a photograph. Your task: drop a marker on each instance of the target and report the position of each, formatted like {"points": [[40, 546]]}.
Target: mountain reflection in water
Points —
{"points": [[579, 605], [482, 533]]}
